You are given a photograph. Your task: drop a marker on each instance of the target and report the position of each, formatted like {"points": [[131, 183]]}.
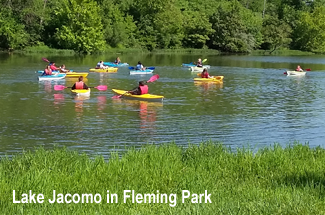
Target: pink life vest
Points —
{"points": [[144, 89], [79, 85], [48, 72]]}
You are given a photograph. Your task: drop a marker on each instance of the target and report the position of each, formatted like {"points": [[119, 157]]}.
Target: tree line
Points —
{"points": [[235, 26]]}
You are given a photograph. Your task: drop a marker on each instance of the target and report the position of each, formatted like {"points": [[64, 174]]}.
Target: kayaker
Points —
{"points": [[199, 63], [299, 69], [117, 61], [140, 66], [47, 70], [141, 89], [80, 84], [53, 67], [63, 69], [205, 74], [100, 65]]}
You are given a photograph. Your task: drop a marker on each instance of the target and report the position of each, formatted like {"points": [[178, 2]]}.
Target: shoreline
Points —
{"points": [[51, 51]]}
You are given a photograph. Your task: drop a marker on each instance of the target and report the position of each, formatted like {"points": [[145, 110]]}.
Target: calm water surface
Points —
{"points": [[256, 105]]}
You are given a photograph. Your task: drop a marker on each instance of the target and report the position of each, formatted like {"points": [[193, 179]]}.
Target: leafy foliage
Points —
{"points": [[227, 25]]}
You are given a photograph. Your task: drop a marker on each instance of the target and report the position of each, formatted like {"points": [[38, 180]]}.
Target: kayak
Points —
{"points": [[193, 65], [81, 92], [57, 76], [198, 69], [70, 74], [75, 74], [214, 79], [108, 70], [295, 73], [145, 97], [141, 72], [112, 64]]}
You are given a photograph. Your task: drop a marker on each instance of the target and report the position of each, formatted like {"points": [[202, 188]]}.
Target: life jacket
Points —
{"points": [[298, 69], [139, 67], [53, 67], [99, 65], [144, 89], [206, 75], [79, 85], [47, 72]]}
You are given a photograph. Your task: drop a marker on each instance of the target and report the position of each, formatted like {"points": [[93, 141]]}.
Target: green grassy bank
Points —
{"points": [[274, 180]]}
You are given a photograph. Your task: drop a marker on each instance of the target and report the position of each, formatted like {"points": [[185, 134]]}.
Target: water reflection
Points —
{"points": [[79, 104], [207, 86]]}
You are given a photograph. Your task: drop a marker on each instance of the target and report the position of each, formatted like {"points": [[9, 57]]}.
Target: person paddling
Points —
{"points": [[47, 70], [117, 61], [299, 69], [53, 67], [140, 66], [63, 69], [100, 65], [80, 84], [199, 63], [205, 74], [141, 89]]}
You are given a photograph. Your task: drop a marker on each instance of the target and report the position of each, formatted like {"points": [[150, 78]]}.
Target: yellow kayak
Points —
{"points": [[109, 69], [76, 74], [82, 92], [146, 97], [214, 79]]}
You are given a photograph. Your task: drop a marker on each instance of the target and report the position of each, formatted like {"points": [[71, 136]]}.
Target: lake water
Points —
{"points": [[256, 105]]}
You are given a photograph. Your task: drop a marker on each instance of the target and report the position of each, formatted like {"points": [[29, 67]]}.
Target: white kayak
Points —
{"points": [[141, 72], [198, 69], [57, 76], [295, 73]]}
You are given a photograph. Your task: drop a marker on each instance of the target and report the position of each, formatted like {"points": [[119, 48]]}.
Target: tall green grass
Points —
{"points": [[273, 180]]}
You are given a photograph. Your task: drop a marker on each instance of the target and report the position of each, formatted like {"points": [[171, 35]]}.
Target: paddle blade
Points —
{"points": [[204, 60], [285, 73], [101, 87], [152, 68], [46, 60], [308, 69], [153, 78], [131, 68], [59, 87]]}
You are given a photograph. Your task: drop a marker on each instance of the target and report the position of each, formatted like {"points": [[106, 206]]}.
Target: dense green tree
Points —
{"points": [[310, 31], [237, 29], [118, 28], [276, 33], [81, 27], [197, 29], [12, 34], [169, 28]]}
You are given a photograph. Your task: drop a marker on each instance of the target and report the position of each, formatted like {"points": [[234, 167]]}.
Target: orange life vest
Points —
{"points": [[144, 89], [79, 85]]}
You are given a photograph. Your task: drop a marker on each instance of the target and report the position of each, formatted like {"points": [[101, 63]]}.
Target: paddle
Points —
{"points": [[61, 87], [133, 68], [152, 79], [44, 59]]}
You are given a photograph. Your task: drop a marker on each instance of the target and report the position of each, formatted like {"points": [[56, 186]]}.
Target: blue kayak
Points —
{"points": [[112, 64], [193, 65]]}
